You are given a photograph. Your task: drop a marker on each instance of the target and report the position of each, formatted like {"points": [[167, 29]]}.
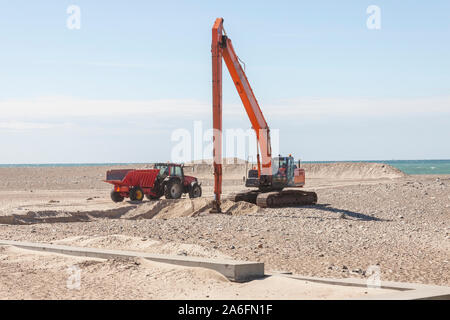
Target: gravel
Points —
{"points": [[402, 227]]}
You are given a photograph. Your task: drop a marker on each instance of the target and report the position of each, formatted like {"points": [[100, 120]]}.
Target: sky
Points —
{"points": [[119, 87]]}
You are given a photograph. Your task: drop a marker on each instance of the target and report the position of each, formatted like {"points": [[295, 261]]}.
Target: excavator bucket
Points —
{"points": [[215, 207]]}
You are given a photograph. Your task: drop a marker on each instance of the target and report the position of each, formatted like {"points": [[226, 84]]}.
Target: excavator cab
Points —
{"points": [[283, 169], [282, 172]]}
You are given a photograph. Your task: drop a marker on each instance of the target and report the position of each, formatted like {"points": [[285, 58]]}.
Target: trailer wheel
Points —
{"points": [[195, 192], [116, 197], [136, 194], [173, 189]]}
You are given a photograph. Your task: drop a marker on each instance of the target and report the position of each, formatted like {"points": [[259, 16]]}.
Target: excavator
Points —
{"points": [[271, 175]]}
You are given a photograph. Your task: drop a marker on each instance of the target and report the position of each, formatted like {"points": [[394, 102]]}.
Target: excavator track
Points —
{"points": [[247, 196], [286, 198], [275, 199]]}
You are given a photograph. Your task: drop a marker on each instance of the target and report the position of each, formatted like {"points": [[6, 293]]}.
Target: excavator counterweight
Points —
{"points": [[272, 174]]}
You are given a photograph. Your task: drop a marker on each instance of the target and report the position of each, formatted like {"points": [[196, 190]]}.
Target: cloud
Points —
{"points": [[24, 126], [73, 107], [13, 113]]}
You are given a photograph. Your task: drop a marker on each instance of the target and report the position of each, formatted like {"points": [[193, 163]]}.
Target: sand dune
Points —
{"points": [[76, 178], [351, 170], [334, 170]]}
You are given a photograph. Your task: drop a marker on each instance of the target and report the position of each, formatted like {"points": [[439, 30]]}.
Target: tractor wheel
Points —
{"points": [[174, 189], [136, 194], [116, 197], [195, 192]]}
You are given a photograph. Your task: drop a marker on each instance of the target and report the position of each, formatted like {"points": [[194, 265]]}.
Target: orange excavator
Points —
{"points": [[272, 175]]}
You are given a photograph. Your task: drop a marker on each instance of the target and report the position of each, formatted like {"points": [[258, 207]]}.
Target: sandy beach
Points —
{"points": [[367, 215]]}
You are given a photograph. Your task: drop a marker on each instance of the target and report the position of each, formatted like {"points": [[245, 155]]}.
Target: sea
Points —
{"points": [[407, 166]]}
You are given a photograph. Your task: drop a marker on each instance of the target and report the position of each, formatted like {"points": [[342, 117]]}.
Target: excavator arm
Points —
{"points": [[222, 47]]}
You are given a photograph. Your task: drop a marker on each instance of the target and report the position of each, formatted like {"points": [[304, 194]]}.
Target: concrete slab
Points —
{"points": [[241, 271], [234, 270], [402, 290]]}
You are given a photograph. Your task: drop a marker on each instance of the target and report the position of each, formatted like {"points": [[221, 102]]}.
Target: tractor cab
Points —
{"points": [[163, 169], [169, 169], [173, 170]]}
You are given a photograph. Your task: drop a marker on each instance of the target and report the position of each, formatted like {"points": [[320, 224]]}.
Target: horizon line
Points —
{"points": [[205, 160]]}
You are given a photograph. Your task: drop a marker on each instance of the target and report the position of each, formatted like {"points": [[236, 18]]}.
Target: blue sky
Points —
{"points": [[117, 88]]}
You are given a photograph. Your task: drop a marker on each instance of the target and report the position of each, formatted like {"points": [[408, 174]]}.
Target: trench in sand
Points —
{"points": [[160, 209]]}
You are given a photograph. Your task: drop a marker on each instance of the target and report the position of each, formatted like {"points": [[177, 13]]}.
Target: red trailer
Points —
{"points": [[166, 179]]}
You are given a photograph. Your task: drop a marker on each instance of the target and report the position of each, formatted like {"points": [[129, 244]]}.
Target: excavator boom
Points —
{"points": [[217, 53], [251, 105], [222, 48]]}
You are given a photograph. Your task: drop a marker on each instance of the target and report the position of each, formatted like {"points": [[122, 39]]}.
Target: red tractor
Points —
{"points": [[166, 179]]}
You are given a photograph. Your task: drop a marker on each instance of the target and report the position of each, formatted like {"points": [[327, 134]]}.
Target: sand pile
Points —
{"points": [[334, 170], [351, 170], [205, 171], [160, 209], [239, 208], [166, 209], [123, 242]]}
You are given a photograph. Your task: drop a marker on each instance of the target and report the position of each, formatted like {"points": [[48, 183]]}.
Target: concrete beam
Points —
{"points": [[234, 270], [241, 271], [403, 290]]}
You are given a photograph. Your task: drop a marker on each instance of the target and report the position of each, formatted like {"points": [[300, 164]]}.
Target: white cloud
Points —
{"points": [[66, 108], [23, 126], [69, 107]]}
